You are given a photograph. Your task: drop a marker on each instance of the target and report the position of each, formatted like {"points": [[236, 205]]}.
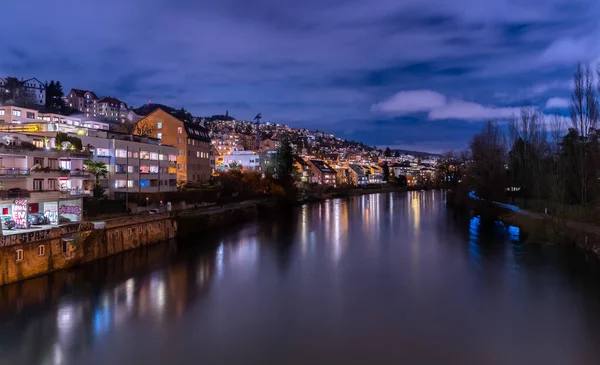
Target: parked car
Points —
{"points": [[36, 219], [7, 222]]}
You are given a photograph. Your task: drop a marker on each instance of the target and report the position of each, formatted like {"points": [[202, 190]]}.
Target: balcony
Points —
{"points": [[12, 150], [13, 172], [79, 173], [14, 194], [48, 172], [65, 193]]}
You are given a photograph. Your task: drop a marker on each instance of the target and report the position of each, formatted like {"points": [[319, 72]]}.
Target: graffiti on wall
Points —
{"points": [[14, 239], [69, 209], [20, 213]]}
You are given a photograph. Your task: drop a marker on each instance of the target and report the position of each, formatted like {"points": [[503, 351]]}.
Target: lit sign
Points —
{"points": [[19, 212]]}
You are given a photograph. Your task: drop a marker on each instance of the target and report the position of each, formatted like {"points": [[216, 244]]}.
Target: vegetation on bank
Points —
{"points": [[542, 164]]}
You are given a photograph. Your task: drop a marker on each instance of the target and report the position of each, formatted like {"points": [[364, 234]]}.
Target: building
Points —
{"points": [[191, 140], [304, 169], [248, 160], [213, 154], [36, 89], [375, 174], [322, 172], [357, 175], [135, 164], [83, 100], [112, 109], [23, 120]]}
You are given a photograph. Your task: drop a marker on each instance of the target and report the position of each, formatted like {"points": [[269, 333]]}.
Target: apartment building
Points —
{"points": [[135, 164], [192, 142], [83, 100], [112, 109], [247, 160], [322, 172], [34, 87]]}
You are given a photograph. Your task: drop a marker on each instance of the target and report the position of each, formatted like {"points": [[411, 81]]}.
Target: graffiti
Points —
{"points": [[20, 213], [69, 209], [15, 239], [52, 216], [86, 226]]}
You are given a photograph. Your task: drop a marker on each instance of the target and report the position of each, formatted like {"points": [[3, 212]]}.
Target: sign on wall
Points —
{"points": [[19, 212]]}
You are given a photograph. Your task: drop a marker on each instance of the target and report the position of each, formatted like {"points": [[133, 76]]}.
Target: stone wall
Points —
{"points": [[60, 248]]}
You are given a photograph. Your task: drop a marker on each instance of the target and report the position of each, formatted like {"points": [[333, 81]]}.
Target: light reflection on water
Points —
{"points": [[371, 279]]}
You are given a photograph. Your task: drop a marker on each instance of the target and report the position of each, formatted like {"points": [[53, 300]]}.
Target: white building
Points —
{"points": [[23, 120], [36, 89], [249, 160]]}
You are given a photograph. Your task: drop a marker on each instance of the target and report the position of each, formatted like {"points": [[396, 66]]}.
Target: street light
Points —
{"points": [[147, 199]]}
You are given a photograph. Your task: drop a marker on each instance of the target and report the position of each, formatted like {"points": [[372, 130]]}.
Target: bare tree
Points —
{"points": [[528, 147], [584, 118], [488, 162]]}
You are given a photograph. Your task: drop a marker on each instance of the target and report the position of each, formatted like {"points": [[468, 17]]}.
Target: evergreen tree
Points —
{"points": [[54, 97], [388, 152]]}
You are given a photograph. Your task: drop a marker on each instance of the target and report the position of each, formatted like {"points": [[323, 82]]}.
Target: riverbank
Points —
{"points": [[538, 227], [345, 193]]}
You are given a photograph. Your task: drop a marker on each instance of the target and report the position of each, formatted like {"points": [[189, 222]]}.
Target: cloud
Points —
{"points": [[557, 103], [438, 106]]}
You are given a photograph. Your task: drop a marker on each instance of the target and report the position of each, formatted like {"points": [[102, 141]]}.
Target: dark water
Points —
{"points": [[381, 279]]}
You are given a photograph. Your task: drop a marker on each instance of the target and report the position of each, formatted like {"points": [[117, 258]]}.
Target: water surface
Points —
{"points": [[382, 279]]}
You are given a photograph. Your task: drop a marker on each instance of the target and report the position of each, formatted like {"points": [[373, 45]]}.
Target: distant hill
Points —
{"points": [[149, 108]]}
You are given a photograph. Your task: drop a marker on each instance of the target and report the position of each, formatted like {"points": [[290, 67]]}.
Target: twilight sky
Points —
{"points": [[416, 74]]}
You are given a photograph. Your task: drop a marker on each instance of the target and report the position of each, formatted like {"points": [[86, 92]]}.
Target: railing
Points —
{"points": [[79, 173], [14, 172], [62, 173], [75, 192], [8, 194]]}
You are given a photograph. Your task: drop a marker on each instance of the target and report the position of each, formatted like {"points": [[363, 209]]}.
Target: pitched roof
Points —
{"points": [[110, 100], [196, 132], [81, 93], [357, 169], [322, 166], [33, 78], [300, 160]]}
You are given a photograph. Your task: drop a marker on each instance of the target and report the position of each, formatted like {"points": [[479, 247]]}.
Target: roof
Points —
{"points": [[81, 93], [110, 100], [196, 132], [357, 169], [300, 160], [33, 78], [322, 166]]}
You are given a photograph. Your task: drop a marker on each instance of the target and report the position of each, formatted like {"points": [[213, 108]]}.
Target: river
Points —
{"points": [[380, 279]]}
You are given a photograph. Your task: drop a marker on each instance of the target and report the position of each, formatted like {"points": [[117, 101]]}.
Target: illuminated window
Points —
{"points": [[1, 111], [154, 169], [159, 126], [121, 153], [179, 129], [172, 158], [16, 113], [153, 156], [144, 183], [159, 135], [102, 152], [130, 184]]}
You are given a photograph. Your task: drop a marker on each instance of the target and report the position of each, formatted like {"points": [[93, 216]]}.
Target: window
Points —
{"points": [[121, 153], [120, 169], [144, 169], [1, 111], [179, 166], [153, 156], [16, 113], [120, 183], [102, 152], [180, 152], [144, 155], [197, 154], [130, 169], [30, 115], [172, 158], [41, 250], [19, 255], [179, 140], [162, 157], [135, 155], [144, 183], [64, 164], [159, 126], [130, 184], [37, 184], [179, 130], [154, 169], [159, 135], [52, 184]]}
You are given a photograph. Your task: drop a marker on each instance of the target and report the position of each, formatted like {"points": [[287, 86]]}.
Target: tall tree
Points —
{"points": [[15, 93], [54, 97], [488, 161], [583, 109], [528, 147], [387, 152], [386, 172], [284, 163]]}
